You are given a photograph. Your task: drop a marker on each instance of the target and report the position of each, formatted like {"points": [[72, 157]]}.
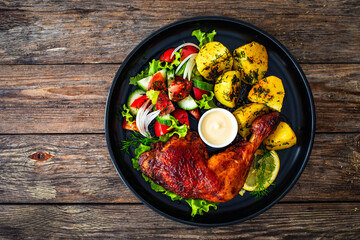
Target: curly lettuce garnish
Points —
{"points": [[173, 64], [199, 206], [150, 70], [179, 129], [154, 67], [207, 101], [203, 37], [126, 113]]}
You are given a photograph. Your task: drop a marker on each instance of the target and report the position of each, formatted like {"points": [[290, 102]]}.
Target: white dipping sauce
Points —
{"points": [[218, 127]]}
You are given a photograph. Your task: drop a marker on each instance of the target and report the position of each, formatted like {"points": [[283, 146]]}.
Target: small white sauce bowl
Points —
{"points": [[232, 120]]}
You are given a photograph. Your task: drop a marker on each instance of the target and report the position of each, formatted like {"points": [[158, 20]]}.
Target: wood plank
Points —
{"points": [[55, 99], [95, 31], [336, 91], [283, 221], [72, 98], [81, 170]]}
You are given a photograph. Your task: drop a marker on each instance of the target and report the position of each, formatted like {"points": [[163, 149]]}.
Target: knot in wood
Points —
{"points": [[40, 156]]}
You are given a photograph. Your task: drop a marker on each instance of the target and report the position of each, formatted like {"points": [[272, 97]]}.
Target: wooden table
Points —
{"points": [[58, 59]]}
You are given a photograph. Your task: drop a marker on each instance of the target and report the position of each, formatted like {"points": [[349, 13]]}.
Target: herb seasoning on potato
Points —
{"points": [[283, 137], [252, 62], [269, 91], [245, 115], [227, 88], [213, 60]]}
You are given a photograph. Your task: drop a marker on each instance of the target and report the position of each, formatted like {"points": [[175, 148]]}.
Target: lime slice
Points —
{"points": [[263, 171]]}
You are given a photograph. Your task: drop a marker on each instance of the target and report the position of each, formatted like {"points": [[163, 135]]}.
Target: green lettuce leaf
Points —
{"points": [[199, 206], [149, 71], [158, 188], [207, 101], [138, 151], [154, 67], [126, 113], [203, 37], [179, 129], [172, 65]]}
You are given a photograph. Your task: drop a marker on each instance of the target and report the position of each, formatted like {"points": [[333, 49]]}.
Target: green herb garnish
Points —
{"points": [[203, 37], [207, 101], [262, 178]]}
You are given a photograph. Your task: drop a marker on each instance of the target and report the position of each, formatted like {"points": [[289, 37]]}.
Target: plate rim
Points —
{"points": [[284, 50]]}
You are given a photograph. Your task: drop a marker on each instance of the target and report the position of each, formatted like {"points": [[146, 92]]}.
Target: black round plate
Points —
{"points": [[298, 111]]}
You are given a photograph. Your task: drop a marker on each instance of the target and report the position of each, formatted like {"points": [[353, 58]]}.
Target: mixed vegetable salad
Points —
{"points": [[192, 77], [168, 89]]}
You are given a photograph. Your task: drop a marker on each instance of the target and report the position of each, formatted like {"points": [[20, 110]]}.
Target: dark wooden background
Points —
{"points": [[57, 61]]}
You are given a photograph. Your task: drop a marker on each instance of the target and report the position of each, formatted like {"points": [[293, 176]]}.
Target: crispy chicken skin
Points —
{"points": [[183, 166]]}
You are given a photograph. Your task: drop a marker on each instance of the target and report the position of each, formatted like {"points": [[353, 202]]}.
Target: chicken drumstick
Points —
{"points": [[183, 166]]}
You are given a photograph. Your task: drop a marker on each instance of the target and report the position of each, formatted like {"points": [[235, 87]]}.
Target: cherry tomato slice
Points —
{"points": [[164, 104], [182, 116], [179, 89], [165, 57], [160, 129], [139, 101], [195, 113], [132, 127], [186, 51], [157, 82], [198, 93]]}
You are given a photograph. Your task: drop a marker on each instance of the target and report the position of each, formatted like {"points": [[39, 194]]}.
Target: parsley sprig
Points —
{"points": [[134, 140]]}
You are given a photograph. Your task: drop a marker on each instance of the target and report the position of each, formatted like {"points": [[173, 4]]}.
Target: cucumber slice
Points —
{"points": [[180, 73], [144, 83], [202, 85], [187, 103], [164, 120], [170, 78], [133, 96]]}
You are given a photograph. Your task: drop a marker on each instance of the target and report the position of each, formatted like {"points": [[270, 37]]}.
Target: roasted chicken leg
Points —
{"points": [[183, 166]]}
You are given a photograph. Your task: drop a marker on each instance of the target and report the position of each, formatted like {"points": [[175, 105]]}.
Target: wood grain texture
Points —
{"points": [[53, 104], [81, 170], [92, 31], [54, 99], [72, 98], [283, 221]]}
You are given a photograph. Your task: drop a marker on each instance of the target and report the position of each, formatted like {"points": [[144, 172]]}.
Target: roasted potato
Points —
{"points": [[246, 114], [227, 88], [269, 91], [213, 60], [283, 137], [251, 60]]}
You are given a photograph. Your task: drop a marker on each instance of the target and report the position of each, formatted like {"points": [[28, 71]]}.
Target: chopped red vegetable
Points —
{"points": [[186, 51], [164, 104], [157, 82], [199, 93], [179, 89], [132, 127], [139, 101], [166, 56], [160, 129], [195, 113], [182, 116]]}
